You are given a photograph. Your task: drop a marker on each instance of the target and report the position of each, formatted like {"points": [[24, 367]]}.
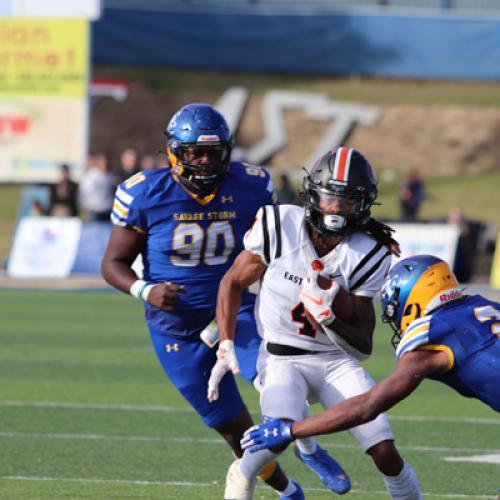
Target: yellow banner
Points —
{"points": [[43, 57], [495, 267]]}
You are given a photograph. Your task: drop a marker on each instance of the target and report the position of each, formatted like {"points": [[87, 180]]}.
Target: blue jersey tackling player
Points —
{"points": [[440, 333], [187, 222]]}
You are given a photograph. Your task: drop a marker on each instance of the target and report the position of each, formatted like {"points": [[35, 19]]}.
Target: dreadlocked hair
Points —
{"points": [[382, 233]]}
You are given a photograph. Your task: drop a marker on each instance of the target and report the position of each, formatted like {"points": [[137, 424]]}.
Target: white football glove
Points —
{"points": [[318, 302], [226, 360]]}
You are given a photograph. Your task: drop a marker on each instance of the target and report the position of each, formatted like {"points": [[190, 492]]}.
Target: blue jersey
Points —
{"points": [[191, 241], [469, 332]]}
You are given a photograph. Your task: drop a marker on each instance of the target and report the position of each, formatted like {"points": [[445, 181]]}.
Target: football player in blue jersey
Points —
{"points": [[187, 222], [441, 334]]}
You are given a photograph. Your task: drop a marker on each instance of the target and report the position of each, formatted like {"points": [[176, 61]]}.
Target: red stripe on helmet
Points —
{"points": [[341, 166]]}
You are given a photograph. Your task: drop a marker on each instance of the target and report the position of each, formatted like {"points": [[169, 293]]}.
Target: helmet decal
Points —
{"points": [[342, 164]]}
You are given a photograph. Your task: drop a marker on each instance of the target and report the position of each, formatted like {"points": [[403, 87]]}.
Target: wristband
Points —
{"points": [[140, 289]]}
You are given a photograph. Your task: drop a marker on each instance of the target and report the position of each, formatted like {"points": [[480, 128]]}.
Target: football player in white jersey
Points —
{"points": [[302, 256]]}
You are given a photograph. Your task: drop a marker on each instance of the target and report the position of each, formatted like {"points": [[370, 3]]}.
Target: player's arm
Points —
{"points": [[408, 373], [124, 246], [354, 336], [358, 333], [406, 377], [246, 270], [366, 282]]}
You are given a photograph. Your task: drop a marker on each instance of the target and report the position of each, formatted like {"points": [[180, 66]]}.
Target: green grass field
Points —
{"points": [[86, 412]]}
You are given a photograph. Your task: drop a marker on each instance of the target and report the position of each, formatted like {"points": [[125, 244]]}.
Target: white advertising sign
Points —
{"points": [[434, 239], [44, 247]]}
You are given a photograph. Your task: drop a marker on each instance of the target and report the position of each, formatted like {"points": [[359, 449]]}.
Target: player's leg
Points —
{"points": [[399, 477], [247, 344], [187, 362], [237, 483], [283, 396], [346, 378]]}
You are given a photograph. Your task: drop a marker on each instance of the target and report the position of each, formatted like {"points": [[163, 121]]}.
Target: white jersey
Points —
{"points": [[280, 237]]}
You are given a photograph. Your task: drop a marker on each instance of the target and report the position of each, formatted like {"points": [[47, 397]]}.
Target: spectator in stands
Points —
{"points": [[463, 264], [36, 209], [64, 195], [148, 162], [97, 187], [411, 195], [128, 165], [161, 161], [285, 194]]}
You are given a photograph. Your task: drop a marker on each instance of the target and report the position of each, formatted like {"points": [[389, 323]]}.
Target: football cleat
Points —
{"points": [[329, 471], [298, 494], [238, 487]]}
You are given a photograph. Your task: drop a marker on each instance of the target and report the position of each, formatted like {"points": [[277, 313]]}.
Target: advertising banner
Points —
{"points": [[43, 97], [435, 239], [44, 247]]}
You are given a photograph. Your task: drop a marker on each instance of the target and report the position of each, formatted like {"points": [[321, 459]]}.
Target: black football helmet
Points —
{"points": [[345, 181], [199, 145]]}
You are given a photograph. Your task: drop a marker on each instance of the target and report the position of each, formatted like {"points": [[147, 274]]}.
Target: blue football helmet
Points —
{"points": [[414, 287], [199, 145], [344, 180]]}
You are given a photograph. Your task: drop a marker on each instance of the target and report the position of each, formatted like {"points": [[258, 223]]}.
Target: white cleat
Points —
{"points": [[238, 487]]}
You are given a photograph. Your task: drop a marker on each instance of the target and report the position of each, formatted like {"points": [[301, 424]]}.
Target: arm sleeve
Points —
{"points": [[264, 237], [368, 276], [415, 336], [127, 210]]}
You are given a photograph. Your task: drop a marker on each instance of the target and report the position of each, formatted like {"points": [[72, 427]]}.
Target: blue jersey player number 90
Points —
{"points": [[214, 245]]}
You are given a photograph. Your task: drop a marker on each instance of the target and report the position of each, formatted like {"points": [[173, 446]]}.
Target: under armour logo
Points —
{"points": [[273, 432], [227, 199], [174, 347]]}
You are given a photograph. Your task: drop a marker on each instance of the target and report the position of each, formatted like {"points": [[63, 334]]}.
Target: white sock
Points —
{"points": [[405, 485], [289, 490], [252, 463], [307, 445]]}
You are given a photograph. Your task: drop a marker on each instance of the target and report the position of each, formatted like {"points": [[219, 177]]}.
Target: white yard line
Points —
{"points": [[173, 409], [95, 406], [104, 437], [213, 484]]}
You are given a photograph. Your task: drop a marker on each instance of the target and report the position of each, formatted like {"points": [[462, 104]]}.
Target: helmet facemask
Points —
{"points": [[334, 212], [200, 166], [199, 144], [389, 316]]}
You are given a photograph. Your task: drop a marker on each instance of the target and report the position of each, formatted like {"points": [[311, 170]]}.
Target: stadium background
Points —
{"points": [[70, 369]]}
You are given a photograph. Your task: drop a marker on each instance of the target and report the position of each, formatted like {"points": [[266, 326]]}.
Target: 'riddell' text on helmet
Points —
{"points": [[199, 145], [344, 179]]}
